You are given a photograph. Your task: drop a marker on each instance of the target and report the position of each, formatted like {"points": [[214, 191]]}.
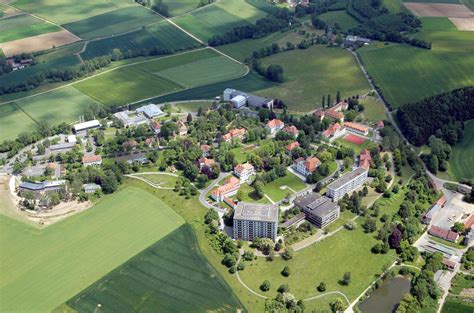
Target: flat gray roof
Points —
{"points": [[316, 204], [344, 179], [256, 212]]}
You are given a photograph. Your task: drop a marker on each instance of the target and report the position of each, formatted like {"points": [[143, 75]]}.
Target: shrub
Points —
{"points": [[265, 286], [321, 287], [286, 271]]}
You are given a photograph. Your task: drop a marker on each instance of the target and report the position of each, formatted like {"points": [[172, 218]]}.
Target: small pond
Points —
{"points": [[386, 298]]}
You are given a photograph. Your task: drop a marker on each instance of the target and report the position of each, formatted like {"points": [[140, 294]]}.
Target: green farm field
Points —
{"points": [[219, 18], [346, 251], [136, 82], [24, 26], [43, 268], [341, 17], [407, 74], [315, 72], [181, 7], [462, 156], [10, 117], [113, 22], [160, 35], [66, 11], [170, 276], [374, 110]]}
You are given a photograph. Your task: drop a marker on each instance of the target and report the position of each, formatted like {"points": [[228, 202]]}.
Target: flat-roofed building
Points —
{"points": [[252, 220], [86, 126], [45, 187], [319, 210], [151, 111], [347, 183], [91, 188]]}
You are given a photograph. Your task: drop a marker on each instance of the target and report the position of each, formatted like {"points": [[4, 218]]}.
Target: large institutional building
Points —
{"points": [[252, 220], [347, 183], [319, 210]]}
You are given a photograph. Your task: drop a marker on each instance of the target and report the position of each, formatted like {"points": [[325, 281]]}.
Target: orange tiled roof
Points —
{"points": [[239, 168], [334, 114], [312, 163], [292, 145], [91, 158], [331, 130], [291, 130], [275, 123], [356, 126]]}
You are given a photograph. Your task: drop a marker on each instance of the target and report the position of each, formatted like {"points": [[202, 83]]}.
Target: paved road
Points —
{"points": [[203, 193]]}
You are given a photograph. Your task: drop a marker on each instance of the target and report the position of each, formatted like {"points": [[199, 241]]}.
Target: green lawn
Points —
{"points": [[66, 11], [193, 106], [325, 261], [248, 195], [315, 72], [23, 26], [171, 275], [166, 181], [276, 193], [344, 217], [373, 110], [407, 74], [344, 20], [113, 22], [462, 156], [43, 268], [219, 18], [456, 305]]}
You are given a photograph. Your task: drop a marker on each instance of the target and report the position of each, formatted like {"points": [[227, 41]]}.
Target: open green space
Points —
{"points": [[240, 153], [10, 118], [24, 26], [407, 74], [342, 18], [462, 156], [113, 22], [66, 11], [344, 217], [325, 261], [434, 1], [455, 305], [165, 181], [161, 35], [287, 185], [248, 195], [192, 106], [313, 73], [374, 110], [219, 18], [170, 276], [43, 268], [152, 78], [59, 52], [181, 6]]}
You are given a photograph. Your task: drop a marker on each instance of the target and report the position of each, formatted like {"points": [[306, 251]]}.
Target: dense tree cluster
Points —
{"points": [[441, 115]]}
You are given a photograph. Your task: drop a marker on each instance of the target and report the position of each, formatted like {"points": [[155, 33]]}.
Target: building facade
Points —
{"points": [[244, 172], [319, 210], [252, 220], [347, 183], [306, 166]]}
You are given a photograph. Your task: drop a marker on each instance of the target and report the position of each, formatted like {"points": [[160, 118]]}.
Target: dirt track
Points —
{"points": [[38, 43], [439, 9]]}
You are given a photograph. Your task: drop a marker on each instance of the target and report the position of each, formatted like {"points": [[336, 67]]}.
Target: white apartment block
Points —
{"points": [[244, 172], [252, 220], [347, 183]]}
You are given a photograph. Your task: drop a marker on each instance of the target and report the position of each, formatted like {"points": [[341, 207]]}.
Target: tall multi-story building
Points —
{"points": [[252, 220], [347, 183], [319, 210]]}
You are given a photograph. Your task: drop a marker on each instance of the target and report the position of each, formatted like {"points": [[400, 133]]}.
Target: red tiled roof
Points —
{"points": [[331, 130], [231, 184], [291, 130], [356, 126], [334, 114], [312, 163], [443, 233], [206, 161], [205, 148], [468, 224], [239, 168], [91, 158], [365, 159], [275, 123], [155, 125], [341, 106], [292, 145], [441, 201]]}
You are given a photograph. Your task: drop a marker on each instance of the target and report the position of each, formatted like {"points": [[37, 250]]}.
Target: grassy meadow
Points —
{"points": [[315, 72], [274, 189], [43, 268], [219, 18], [23, 26], [113, 22], [10, 117], [181, 7], [374, 110], [407, 74], [170, 276], [462, 156], [341, 17]]}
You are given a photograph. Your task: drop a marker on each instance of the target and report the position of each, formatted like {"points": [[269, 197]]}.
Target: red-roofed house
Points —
{"points": [[203, 161], [274, 126], [380, 124], [244, 172], [441, 201], [130, 144], [150, 141], [238, 133], [92, 160], [292, 145], [319, 113], [341, 106], [469, 223], [442, 233], [182, 128], [338, 116], [292, 130], [333, 132], [229, 189], [357, 128], [365, 160], [307, 166], [206, 150], [155, 127]]}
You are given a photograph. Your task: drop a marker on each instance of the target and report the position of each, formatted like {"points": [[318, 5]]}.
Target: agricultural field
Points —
{"points": [[23, 26], [181, 7], [219, 18], [10, 117], [407, 74], [171, 275], [155, 77], [344, 20], [278, 189], [374, 110], [313, 73], [306, 266], [113, 22], [462, 156], [160, 35], [43, 268], [66, 11], [459, 299]]}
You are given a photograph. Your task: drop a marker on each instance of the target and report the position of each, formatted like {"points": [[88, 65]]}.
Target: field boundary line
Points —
{"points": [[35, 16], [26, 113]]}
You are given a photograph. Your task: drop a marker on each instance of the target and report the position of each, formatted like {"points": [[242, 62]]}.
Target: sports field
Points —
{"points": [[407, 74], [325, 261], [23, 26], [113, 22], [356, 146], [40, 269], [354, 139], [219, 18], [161, 76], [66, 11], [462, 156], [315, 72], [161, 35], [170, 276], [342, 18]]}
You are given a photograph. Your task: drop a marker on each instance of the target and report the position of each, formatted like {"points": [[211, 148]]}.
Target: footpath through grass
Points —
{"points": [[40, 269], [460, 164]]}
